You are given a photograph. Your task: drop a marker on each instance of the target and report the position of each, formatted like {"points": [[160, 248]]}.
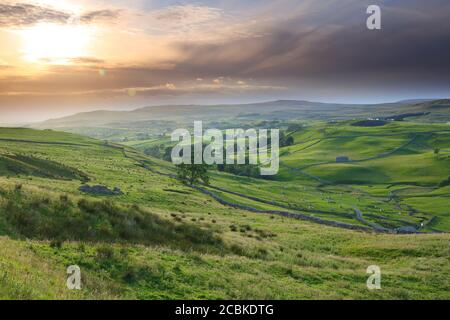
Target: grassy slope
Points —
{"points": [[398, 162], [263, 256], [399, 154]]}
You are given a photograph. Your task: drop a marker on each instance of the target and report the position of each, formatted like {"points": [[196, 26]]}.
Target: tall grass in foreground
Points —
{"points": [[61, 219]]}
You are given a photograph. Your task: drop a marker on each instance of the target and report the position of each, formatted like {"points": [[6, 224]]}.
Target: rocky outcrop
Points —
{"points": [[100, 190]]}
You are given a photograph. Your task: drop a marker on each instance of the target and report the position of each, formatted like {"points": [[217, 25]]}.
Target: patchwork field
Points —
{"points": [[381, 161]]}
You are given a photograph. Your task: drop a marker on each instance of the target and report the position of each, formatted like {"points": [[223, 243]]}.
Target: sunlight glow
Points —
{"points": [[55, 43]]}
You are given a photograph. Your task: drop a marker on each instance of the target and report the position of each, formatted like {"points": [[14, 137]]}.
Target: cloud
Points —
{"points": [[191, 14], [312, 47], [4, 65], [190, 21], [171, 86], [99, 15], [25, 14], [87, 61], [75, 81], [411, 47], [194, 88]]}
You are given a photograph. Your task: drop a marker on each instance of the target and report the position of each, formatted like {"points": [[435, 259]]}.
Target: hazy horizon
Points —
{"points": [[68, 113]]}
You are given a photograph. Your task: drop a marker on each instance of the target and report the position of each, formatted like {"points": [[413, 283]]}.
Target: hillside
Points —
{"points": [[151, 122], [388, 168], [181, 112], [163, 239]]}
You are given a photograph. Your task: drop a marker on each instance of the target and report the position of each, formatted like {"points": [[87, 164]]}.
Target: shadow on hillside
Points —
{"points": [[16, 164]]}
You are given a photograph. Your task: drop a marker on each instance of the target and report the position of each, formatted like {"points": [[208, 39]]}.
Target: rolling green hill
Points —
{"points": [[150, 122], [381, 161], [162, 239]]}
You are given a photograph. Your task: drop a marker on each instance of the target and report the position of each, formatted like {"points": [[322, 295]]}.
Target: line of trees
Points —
{"points": [[193, 173]]}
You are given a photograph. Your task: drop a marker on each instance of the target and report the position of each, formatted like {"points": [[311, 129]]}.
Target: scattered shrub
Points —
{"points": [[56, 244], [130, 274], [105, 253], [265, 234]]}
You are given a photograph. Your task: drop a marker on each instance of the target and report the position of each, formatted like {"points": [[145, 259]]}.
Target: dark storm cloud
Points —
{"points": [[413, 45], [23, 14]]}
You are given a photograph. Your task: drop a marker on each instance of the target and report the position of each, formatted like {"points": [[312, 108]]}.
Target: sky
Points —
{"points": [[59, 57]]}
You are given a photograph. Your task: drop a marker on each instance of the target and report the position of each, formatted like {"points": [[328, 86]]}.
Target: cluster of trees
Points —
{"points": [[159, 151], [193, 173], [164, 152], [248, 170], [285, 140]]}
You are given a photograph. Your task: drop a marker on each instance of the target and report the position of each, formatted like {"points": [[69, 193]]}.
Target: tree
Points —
{"points": [[285, 140], [167, 154], [436, 152], [289, 141], [192, 173]]}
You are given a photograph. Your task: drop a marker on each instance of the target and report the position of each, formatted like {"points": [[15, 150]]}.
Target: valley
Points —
{"points": [[309, 232]]}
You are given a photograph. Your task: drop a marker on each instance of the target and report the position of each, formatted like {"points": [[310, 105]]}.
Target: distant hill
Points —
{"points": [[151, 122], [443, 104], [280, 109]]}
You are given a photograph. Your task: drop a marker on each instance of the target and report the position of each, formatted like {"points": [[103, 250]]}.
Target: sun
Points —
{"points": [[55, 43]]}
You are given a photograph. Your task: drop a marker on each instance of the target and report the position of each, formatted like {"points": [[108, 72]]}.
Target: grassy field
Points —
{"points": [[397, 155], [161, 239]]}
